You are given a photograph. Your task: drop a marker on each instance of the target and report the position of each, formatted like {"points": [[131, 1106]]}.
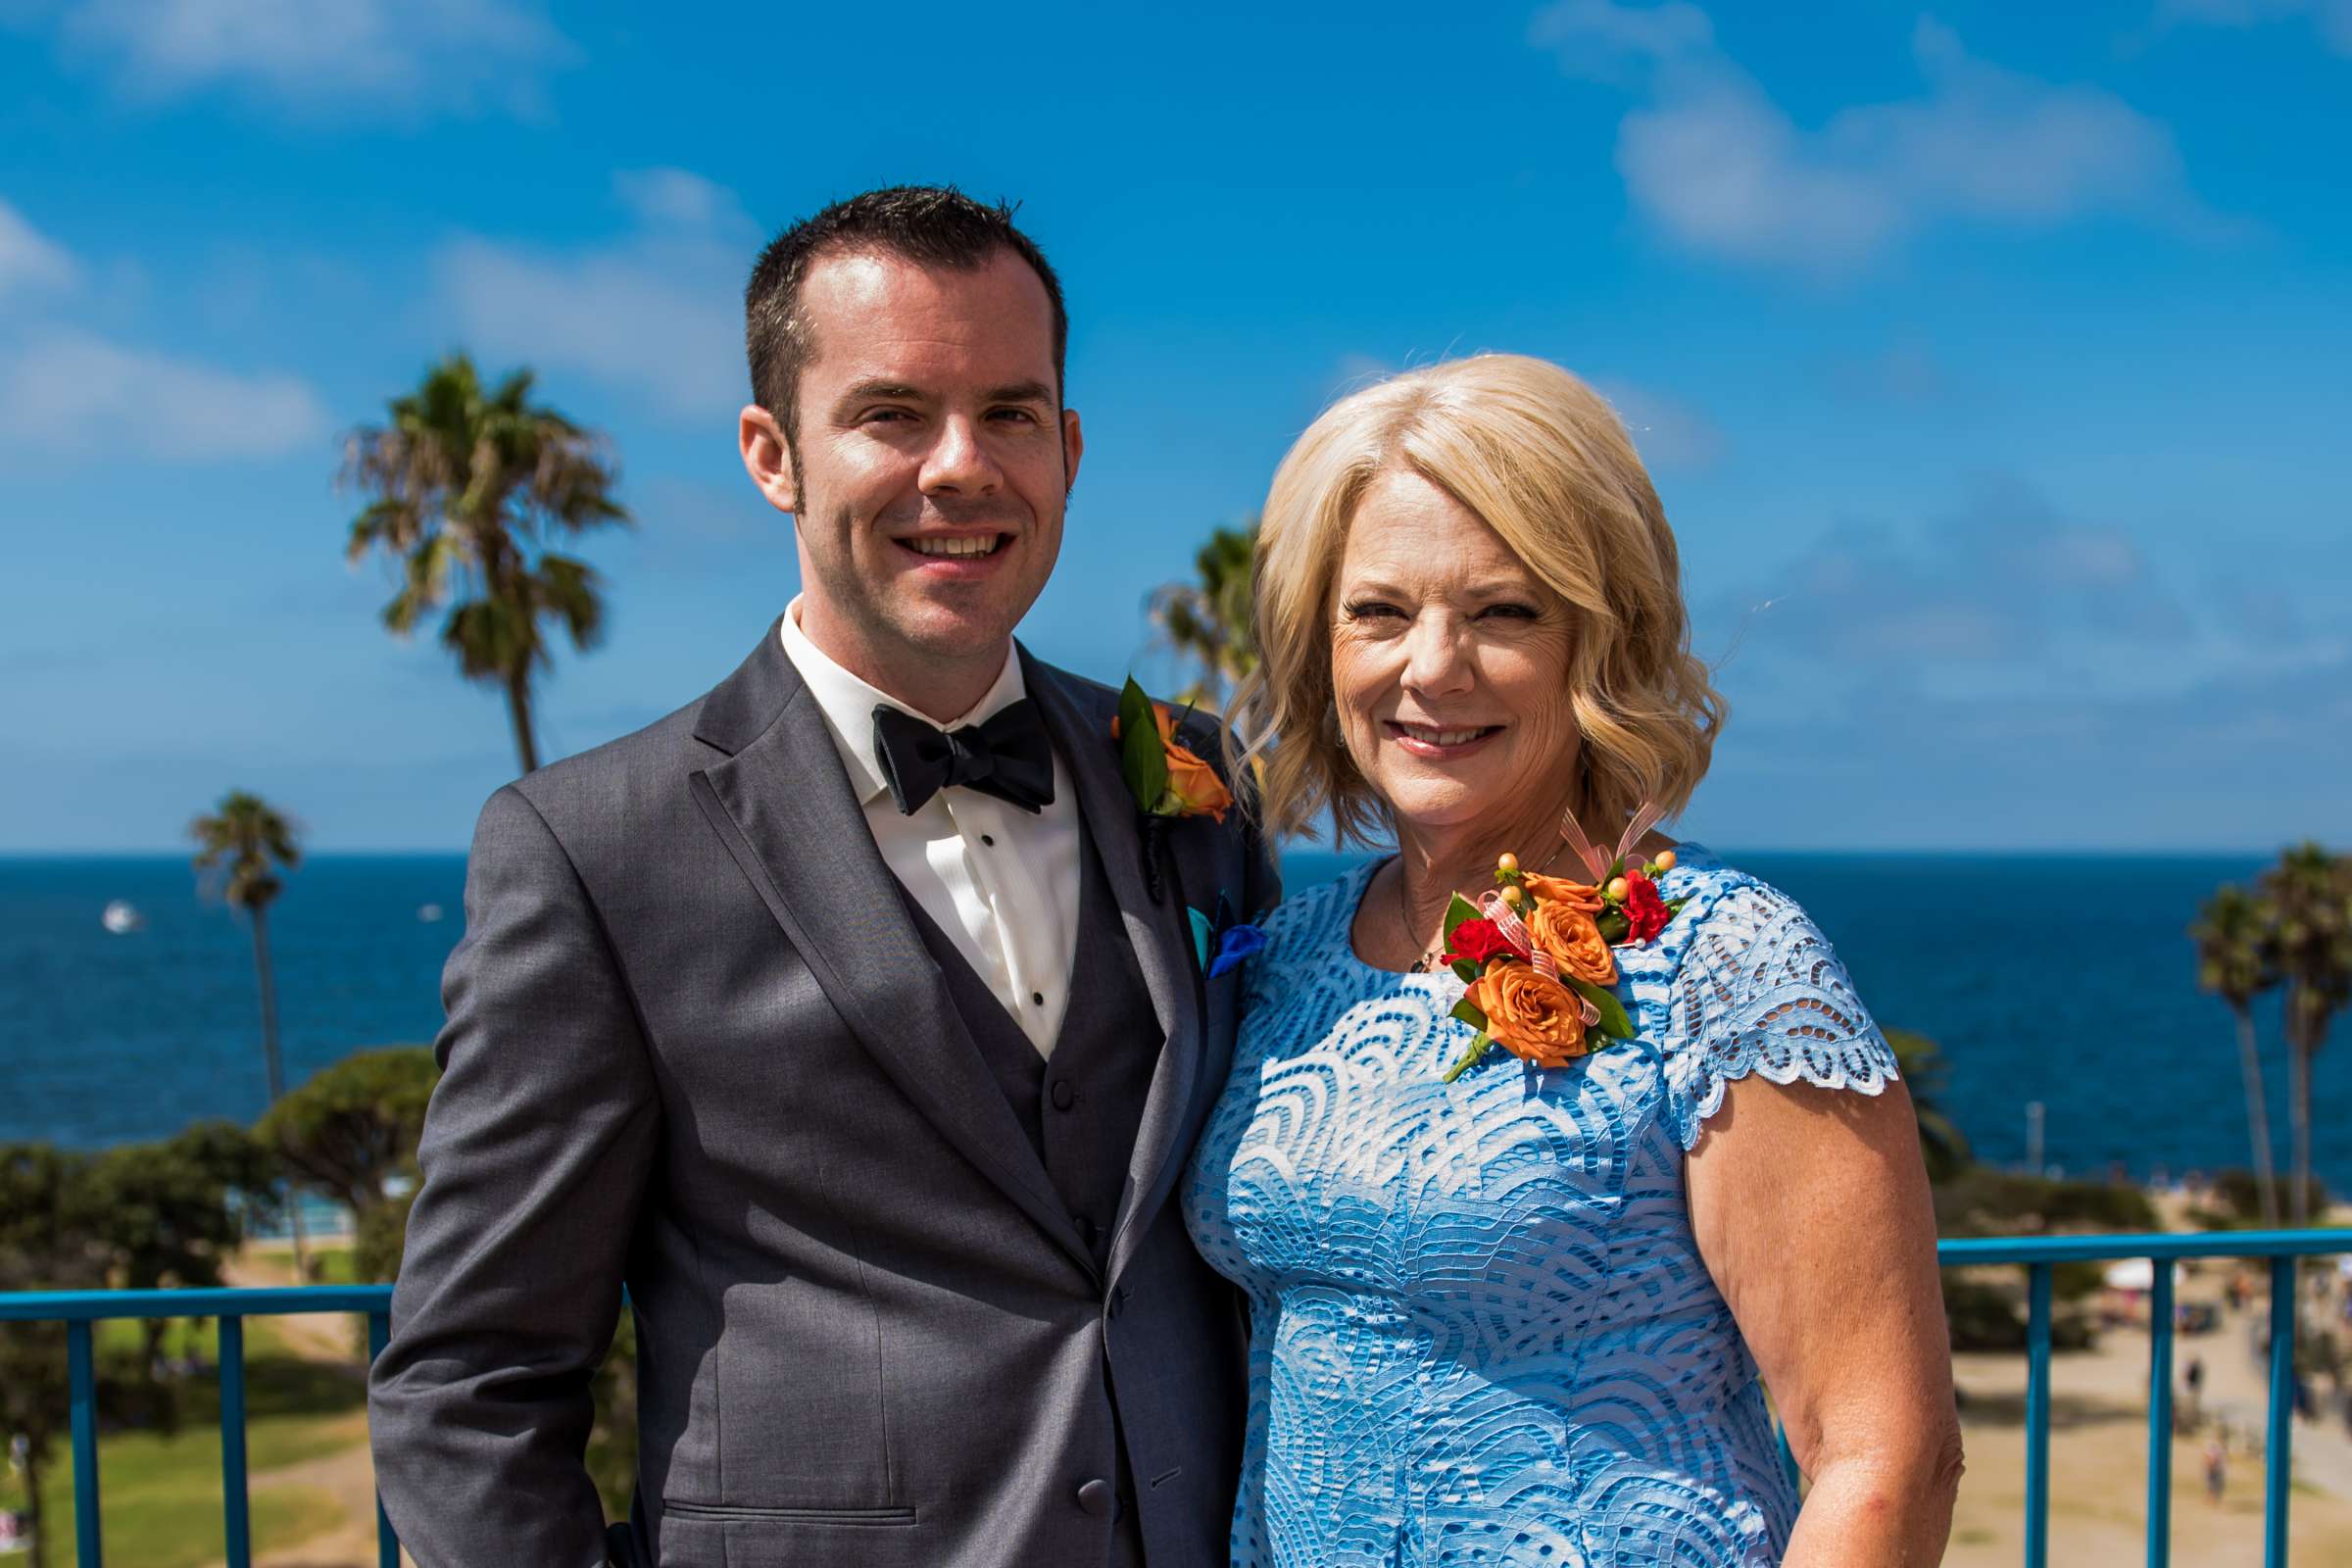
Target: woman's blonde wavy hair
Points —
{"points": [[1545, 461]]}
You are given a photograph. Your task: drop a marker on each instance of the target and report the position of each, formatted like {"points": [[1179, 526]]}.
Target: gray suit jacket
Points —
{"points": [[694, 1045]]}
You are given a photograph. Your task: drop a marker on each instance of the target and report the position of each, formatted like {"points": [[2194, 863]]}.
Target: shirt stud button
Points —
{"points": [[988, 839], [1037, 998]]}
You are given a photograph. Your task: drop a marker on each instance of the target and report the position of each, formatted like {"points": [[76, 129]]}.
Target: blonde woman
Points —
{"points": [[1528, 1315]]}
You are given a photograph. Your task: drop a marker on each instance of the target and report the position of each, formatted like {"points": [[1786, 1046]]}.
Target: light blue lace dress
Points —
{"points": [[1481, 1328]]}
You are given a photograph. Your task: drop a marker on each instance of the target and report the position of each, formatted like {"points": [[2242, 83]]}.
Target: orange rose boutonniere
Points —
{"points": [[1165, 779], [1537, 952], [1169, 781]]}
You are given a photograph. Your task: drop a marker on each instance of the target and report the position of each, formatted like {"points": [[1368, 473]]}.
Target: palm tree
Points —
{"points": [[246, 843], [466, 483], [1920, 1062], [2237, 960], [2312, 890], [1207, 621]]}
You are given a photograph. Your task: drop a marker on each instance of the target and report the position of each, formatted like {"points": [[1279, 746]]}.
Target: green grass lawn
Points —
{"points": [[160, 1497], [331, 1266]]}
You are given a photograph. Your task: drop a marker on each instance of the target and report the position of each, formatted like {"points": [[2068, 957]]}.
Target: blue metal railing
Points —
{"points": [[79, 1309], [2040, 1256]]}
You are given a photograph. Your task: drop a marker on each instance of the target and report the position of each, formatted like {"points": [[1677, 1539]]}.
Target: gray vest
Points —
{"points": [[1081, 1110]]}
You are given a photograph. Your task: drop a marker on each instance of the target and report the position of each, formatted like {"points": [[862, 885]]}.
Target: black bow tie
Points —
{"points": [[1009, 756]]}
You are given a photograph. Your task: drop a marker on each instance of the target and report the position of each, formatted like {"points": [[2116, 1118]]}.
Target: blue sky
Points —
{"points": [[1991, 361]]}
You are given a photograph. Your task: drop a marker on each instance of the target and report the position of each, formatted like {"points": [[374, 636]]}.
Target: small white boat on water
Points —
{"points": [[428, 913], [123, 917]]}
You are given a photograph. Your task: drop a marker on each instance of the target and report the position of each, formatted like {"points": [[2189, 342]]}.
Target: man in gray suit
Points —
{"points": [[852, 1017]]}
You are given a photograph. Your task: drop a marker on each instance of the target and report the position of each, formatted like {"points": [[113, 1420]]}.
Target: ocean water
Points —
{"points": [[2067, 981]]}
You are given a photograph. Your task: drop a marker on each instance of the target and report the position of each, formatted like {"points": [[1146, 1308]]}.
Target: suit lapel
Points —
{"points": [[784, 809], [1159, 933]]}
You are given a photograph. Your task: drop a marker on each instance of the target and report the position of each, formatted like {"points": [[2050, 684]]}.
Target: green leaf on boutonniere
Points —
{"points": [[1613, 1021], [1459, 911], [1465, 969], [1143, 761], [1467, 1060], [1614, 927], [1469, 1012]]}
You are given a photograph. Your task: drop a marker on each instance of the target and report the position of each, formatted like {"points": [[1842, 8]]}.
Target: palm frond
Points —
{"points": [[568, 588], [248, 839]]}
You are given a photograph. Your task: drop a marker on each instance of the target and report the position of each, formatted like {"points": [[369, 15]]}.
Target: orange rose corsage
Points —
{"points": [[1537, 952]]}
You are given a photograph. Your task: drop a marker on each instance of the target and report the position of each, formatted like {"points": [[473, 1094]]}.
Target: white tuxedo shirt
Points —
{"points": [[1002, 882]]}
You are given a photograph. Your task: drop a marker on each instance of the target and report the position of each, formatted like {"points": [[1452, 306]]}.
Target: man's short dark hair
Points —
{"points": [[931, 225]]}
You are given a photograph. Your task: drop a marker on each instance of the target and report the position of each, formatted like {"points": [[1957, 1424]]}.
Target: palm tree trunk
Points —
{"points": [[2258, 1116], [518, 705], [2298, 1109], [274, 1065], [32, 1506], [260, 964]]}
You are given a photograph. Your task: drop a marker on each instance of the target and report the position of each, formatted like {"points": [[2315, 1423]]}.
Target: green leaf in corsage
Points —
{"points": [[1143, 761], [1460, 910], [1614, 1021]]}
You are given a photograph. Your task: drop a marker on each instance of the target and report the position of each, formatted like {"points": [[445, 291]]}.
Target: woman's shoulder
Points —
{"points": [[1757, 987], [1741, 926], [1313, 920], [1721, 909]]}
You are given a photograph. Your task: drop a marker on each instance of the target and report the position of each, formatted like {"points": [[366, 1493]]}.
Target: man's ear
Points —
{"points": [[1074, 447], [767, 458]]}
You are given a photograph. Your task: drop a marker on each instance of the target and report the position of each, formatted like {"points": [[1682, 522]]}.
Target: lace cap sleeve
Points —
{"points": [[1761, 991]]}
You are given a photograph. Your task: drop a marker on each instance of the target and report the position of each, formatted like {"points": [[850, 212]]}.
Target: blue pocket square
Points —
{"points": [[1222, 943]]}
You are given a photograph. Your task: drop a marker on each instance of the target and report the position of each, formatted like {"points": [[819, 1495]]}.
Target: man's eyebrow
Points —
{"points": [[892, 391], [1019, 392]]}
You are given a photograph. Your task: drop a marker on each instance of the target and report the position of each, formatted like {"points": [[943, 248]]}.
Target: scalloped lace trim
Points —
{"points": [[1761, 991]]}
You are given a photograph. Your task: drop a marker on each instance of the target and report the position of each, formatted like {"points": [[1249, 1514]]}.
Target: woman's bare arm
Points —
{"points": [[1811, 1209]]}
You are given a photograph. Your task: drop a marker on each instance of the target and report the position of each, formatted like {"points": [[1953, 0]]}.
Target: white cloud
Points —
{"points": [[658, 312], [330, 55], [1668, 432], [1603, 42], [1718, 166], [2331, 19], [2003, 595], [1907, 370], [76, 393], [29, 258], [679, 199]]}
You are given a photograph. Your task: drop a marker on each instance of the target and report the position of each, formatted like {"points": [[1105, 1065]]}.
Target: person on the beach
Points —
{"points": [[852, 1017], [1527, 1313], [2217, 1468]]}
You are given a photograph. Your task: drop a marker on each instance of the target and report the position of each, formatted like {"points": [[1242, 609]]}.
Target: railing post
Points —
{"points": [[81, 1374], [387, 1545], [2038, 1415], [2160, 1414], [2278, 1464], [236, 1513]]}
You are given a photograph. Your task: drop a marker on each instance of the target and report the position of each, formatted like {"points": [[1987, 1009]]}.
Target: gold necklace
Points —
{"points": [[1427, 964]]}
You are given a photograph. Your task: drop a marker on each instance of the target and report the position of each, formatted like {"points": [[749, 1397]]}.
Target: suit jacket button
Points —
{"points": [[1118, 1300], [1097, 1499], [1065, 1093]]}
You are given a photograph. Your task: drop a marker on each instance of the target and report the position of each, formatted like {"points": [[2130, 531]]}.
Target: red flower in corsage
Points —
{"points": [[1536, 954], [1474, 941], [1645, 913]]}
